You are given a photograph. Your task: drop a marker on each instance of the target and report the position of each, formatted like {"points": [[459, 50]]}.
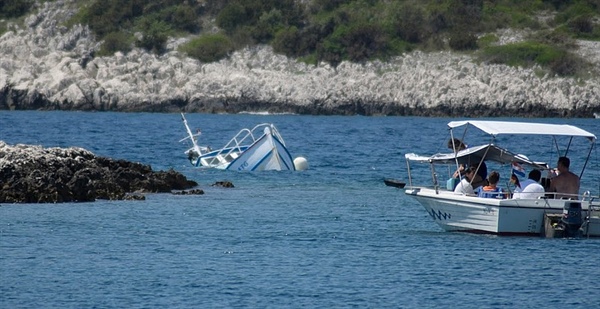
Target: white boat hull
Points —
{"points": [[266, 154], [244, 152], [454, 212]]}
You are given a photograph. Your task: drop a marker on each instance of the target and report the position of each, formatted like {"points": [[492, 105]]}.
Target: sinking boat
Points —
{"points": [[576, 215], [258, 149]]}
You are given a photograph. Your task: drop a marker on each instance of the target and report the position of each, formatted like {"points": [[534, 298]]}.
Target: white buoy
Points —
{"points": [[300, 163]]}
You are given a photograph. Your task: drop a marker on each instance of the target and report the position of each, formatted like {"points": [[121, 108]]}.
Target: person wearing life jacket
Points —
{"points": [[491, 189]]}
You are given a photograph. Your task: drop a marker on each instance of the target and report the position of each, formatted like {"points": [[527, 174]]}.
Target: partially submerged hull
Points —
{"points": [[455, 212], [268, 153], [247, 151]]}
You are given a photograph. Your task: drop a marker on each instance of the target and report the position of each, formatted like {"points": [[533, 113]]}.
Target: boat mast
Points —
{"points": [[191, 136]]}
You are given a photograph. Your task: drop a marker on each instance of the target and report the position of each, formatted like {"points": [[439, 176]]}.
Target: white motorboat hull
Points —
{"points": [[548, 216], [455, 212]]}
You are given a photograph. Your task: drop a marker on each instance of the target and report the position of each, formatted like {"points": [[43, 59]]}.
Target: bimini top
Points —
{"points": [[471, 155], [508, 127]]}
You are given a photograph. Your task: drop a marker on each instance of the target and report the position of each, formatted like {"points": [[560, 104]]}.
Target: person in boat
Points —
{"points": [[491, 189], [464, 186], [481, 169], [456, 144], [566, 184], [529, 188]]}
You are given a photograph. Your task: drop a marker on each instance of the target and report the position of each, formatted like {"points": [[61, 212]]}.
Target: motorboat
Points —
{"points": [[576, 215], [260, 148]]}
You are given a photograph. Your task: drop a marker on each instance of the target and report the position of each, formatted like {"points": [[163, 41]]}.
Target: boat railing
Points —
{"points": [[246, 137], [593, 212]]}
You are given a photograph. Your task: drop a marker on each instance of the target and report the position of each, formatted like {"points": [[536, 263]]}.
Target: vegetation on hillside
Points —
{"points": [[338, 30], [11, 10]]}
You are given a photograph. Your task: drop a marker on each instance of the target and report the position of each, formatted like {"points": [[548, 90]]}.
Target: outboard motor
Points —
{"points": [[571, 220]]}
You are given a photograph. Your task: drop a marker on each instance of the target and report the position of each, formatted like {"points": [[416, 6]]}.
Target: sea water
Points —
{"points": [[333, 236]]}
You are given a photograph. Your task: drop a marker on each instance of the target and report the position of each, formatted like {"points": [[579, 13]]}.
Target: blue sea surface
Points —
{"points": [[333, 236]]}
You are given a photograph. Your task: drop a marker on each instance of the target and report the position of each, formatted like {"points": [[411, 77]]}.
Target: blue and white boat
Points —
{"points": [[258, 149]]}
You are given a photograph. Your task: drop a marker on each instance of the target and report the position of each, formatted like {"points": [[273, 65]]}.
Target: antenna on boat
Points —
{"points": [[191, 136]]}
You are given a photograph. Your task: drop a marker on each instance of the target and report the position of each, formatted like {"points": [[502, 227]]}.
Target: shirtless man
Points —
{"points": [[566, 184]]}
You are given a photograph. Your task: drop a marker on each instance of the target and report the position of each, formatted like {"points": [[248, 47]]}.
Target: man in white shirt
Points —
{"points": [[530, 188], [464, 186]]}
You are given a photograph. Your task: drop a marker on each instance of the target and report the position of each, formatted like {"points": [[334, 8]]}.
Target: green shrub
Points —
{"points": [[183, 17], [208, 48], [14, 8], [408, 22], [114, 42], [357, 42], [268, 24], [487, 40], [558, 37], [462, 40], [154, 35], [326, 5], [525, 54], [231, 17], [581, 24], [242, 37], [398, 47], [565, 64], [109, 16], [575, 9], [330, 51], [584, 27], [517, 54], [287, 41]]}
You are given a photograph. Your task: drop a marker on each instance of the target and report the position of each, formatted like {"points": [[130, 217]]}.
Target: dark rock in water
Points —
{"points": [[33, 174], [190, 192], [134, 197], [224, 184]]}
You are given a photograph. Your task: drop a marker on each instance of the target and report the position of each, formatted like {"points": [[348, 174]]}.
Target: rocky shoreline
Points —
{"points": [[33, 174], [46, 66]]}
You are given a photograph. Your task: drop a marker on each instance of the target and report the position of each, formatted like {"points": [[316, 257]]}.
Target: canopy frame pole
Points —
{"points": [[436, 185], [409, 172], [587, 159], [483, 158], [454, 146], [455, 151]]}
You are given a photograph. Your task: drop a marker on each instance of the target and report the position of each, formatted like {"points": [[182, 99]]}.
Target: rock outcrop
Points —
{"points": [[47, 66], [33, 174]]}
